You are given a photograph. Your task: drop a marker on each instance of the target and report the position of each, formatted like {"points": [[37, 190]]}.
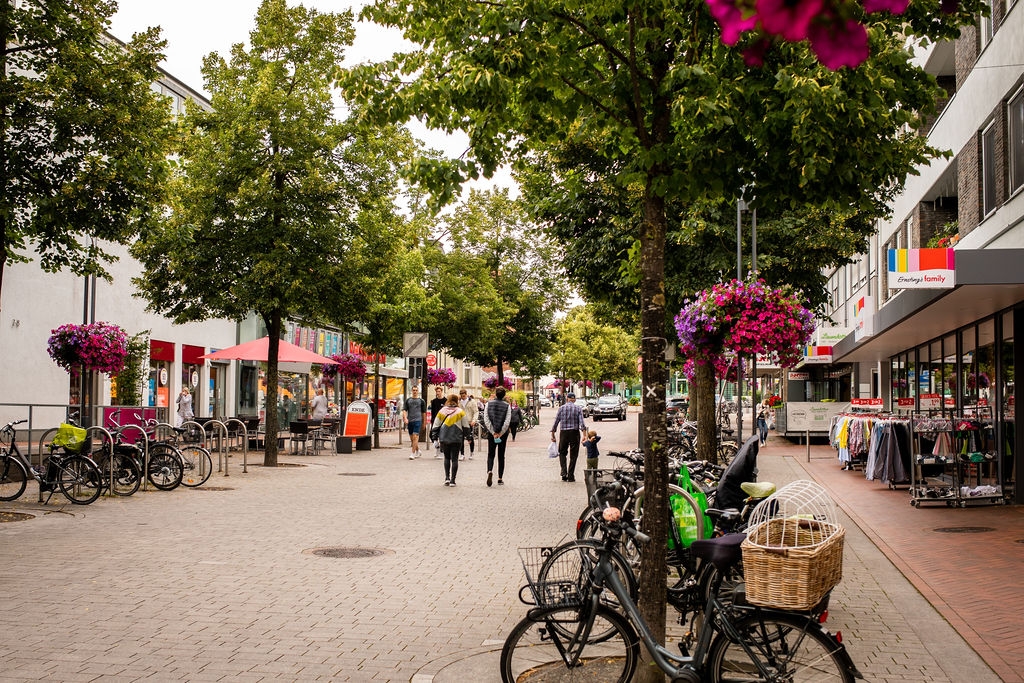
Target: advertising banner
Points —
{"points": [[922, 268]]}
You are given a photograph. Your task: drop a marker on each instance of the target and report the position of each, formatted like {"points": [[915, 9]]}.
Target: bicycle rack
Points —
{"points": [[221, 441], [245, 442], [108, 438], [145, 455]]}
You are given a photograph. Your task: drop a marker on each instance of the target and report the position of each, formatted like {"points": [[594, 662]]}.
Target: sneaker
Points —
{"points": [[501, 483], [489, 478], [462, 457], [437, 456], [470, 456], [453, 482], [447, 482], [412, 456]]}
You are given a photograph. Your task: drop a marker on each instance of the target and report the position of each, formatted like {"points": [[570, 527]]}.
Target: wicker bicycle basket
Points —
{"points": [[793, 554]]}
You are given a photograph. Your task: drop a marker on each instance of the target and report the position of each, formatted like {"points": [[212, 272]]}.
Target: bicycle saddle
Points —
{"points": [[722, 552]]}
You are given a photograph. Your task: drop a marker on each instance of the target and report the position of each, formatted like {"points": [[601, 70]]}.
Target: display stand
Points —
{"points": [[933, 476], [960, 467]]}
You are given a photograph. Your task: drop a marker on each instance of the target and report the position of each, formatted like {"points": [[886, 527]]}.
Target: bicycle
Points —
{"points": [[75, 475], [735, 641], [165, 464]]}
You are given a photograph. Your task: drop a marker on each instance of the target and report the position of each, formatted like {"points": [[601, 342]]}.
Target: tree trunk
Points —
{"points": [[501, 372], [273, 424], [707, 425], [653, 375]]}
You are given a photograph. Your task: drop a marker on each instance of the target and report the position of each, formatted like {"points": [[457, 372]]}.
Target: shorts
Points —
{"points": [[414, 426]]}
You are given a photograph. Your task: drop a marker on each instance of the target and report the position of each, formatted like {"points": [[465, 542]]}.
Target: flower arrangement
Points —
{"points": [[348, 365], [608, 385], [743, 317], [946, 236], [491, 381], [980, 381], [774, 400], [836, 39], [99, 347], [441, 377]]}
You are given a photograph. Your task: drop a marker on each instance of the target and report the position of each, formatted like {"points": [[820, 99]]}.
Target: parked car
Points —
{"points": [[677, 404], [545, 402], [587, 406], [609, 406]]}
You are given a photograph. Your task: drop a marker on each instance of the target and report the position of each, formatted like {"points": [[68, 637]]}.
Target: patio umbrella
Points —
{"points": [[258, 349]]}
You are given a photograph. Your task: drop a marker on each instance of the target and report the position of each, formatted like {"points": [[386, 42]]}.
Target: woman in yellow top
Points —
{"points": [[450, 426]]}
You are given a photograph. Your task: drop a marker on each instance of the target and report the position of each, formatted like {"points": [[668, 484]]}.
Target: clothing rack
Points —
{"points": [[955, 460]]}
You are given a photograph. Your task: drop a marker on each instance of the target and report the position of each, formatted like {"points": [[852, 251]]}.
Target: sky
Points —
{"points": [[195, 28]]}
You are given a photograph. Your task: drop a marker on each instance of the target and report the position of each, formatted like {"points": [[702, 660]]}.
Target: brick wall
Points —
{"points": [[968, 166], [966, 51], [929, 217]]}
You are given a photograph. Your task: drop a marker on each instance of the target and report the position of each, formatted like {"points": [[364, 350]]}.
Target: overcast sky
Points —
{"points": [[195, 28]]}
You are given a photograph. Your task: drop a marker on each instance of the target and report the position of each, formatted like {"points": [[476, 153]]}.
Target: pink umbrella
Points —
{"points": [[259, 349]]}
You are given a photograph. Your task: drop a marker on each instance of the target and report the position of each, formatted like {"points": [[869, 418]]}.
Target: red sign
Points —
{"points": [[905, 402], [431, 360], [868, 402], [930, 401]]}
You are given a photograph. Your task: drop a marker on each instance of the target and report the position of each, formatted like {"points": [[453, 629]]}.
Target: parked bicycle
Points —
{"points": [[75, 475], [573, 634]]}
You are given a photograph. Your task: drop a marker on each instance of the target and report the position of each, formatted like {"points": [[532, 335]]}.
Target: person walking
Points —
{"points": [[517, 419], [450, 426], [468, 403], [412, 415], [184, 407], [573, 425], [497, 418], [762, 420], [436, 404]]}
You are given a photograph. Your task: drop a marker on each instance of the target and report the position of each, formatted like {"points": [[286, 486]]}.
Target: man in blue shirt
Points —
{"points": [[573, 425]]}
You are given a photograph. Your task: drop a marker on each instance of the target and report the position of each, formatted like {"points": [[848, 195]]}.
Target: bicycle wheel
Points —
{"points": [[793, 647], [165, 467], [550, 645], [726, 452], [13, 477], [198, 465], [575, 560], [79, 479], [127, 473]]}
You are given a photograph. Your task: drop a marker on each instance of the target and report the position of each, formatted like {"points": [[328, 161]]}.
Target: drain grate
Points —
{"points": [[212, 488], [964, 529], [6, 516], [349, 552], [357, 474]]}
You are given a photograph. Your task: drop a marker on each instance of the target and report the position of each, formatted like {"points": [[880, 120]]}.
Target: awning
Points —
{"points": [[988, 281]]}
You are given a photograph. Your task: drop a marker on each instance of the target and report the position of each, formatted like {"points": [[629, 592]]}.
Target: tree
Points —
{"points": [[491, 227], [265, 205], [649, 87], [587, 349], [83, 137]]}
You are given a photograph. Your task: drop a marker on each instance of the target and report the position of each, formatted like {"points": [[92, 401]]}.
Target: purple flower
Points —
{"points": [[891, 6], [839, 43]]}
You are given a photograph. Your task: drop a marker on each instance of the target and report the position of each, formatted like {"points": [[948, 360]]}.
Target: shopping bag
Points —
{"points": [[552, 450]]}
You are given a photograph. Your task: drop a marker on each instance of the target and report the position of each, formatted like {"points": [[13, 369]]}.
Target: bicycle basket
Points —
{"points": [[597, 481], [556, 580], [70, 438]]}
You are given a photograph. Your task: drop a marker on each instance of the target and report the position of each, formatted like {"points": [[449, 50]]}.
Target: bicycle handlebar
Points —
{"points": [[12, 425]]}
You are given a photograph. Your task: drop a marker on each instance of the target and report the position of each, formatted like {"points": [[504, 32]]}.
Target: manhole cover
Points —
{"points": [[280, 464], [14, 516], [349, 552], [964, 529], [212, 488], [356, 474]]}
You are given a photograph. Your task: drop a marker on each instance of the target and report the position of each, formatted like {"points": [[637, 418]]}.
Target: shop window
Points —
{"points": [[949, 371], [988, 170], [1015, 144], [1007, 374]]}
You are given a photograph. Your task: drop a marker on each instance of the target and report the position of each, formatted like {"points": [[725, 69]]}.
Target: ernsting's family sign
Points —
{"points": [[922, 268]]}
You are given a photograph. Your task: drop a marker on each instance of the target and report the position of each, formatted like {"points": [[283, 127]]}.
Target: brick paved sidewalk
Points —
{"points": [[225, 585]]}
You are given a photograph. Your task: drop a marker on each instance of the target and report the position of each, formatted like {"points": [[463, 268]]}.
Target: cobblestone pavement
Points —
{"points": [[224, 583]]}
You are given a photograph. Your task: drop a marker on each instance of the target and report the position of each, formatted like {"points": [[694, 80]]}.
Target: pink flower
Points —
{"points": [[790, 19], [839, 43], [731, 19], [891, 6]]}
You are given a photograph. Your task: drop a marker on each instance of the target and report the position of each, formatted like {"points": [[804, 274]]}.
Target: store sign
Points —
{"points": [[830, 335], [817, 355], [872, 403], [798, 376], [863, 318], [922, 268], [905, 403], [930, 402], [950, 402]]}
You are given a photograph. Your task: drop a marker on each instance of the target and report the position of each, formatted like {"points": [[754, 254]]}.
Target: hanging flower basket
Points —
{"points": [[491, 381], [98, 347], [348, 365], [608, 385], [441, 377], [744, 317], [774, 400]]}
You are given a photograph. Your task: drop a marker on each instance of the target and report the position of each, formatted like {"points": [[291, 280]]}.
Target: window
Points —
{"points": [[1015, 144], [988, 27], [467, 375], [988, 170]]}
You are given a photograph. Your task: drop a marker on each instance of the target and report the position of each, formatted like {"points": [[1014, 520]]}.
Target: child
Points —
{"points": [[590, 443]]}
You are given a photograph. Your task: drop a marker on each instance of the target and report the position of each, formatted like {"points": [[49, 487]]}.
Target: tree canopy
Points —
{"points": [[268, 199], [83, 137]]}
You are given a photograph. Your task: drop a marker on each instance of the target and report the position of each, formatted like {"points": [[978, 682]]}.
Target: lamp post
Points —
{"points": [[741, 205]]}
